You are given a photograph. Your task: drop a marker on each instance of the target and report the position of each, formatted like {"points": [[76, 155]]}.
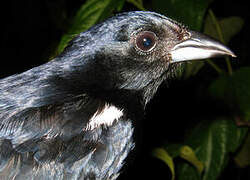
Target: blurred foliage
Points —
{"points": [[206, 150], [242, 159], [89, 14], [212, 142], [235, 91], [189, 12], [225, 26]]}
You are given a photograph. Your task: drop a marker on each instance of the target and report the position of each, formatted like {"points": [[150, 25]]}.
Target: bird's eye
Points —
{"points": [[145, 41]]}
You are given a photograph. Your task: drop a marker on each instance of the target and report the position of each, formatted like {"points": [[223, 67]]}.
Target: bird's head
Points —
{"points": [[135, 52]]}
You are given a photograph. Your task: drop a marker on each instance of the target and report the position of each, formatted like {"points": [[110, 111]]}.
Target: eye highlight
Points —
{"points": [[145, 41]]}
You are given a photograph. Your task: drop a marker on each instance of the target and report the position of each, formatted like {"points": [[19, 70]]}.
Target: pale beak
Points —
{"points": [[199, 46]]}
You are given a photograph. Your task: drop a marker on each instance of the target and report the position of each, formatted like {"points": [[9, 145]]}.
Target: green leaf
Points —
{"points": [[241, 87], [235, 91], [177, 150], [188, 154], [185, 152], [190, 12], [230, 26], [212, 142], [163, 155], [90, 13], [242, 158]]}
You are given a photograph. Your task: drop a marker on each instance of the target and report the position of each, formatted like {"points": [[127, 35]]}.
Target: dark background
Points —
{"points": [[30, 33]]}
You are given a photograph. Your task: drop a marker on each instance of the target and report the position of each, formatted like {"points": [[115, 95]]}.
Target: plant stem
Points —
{"points": [[217, 68], [137, 4], [218, 29]]}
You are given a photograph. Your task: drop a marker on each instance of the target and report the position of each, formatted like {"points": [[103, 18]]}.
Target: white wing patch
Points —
{"points": [[106, 117]]}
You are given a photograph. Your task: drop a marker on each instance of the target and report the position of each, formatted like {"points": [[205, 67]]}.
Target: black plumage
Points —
{"points": [[71, 118]]}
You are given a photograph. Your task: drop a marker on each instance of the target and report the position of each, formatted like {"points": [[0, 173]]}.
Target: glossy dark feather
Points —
{"points": [[71, 118]]}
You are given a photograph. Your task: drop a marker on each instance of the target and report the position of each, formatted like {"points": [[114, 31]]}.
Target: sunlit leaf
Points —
{"points": [[172, 151], [189, 155], [163, 155]]}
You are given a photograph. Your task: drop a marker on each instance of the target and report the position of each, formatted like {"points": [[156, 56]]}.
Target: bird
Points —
{"points": [[73, 117]]}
